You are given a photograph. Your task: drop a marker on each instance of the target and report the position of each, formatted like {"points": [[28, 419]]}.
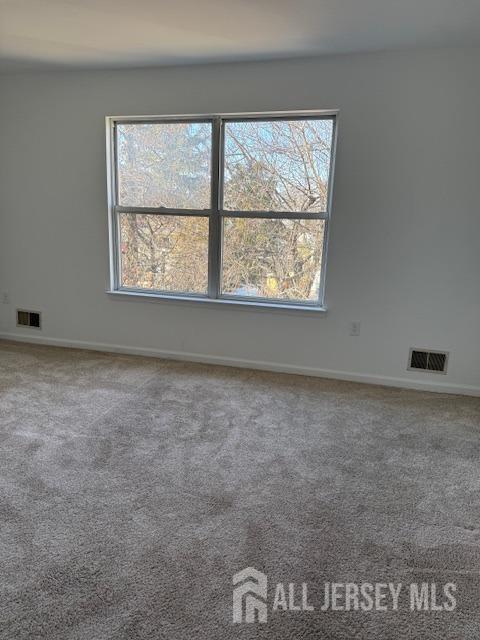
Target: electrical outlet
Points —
{"points": [[5, 297], [355, 328]]}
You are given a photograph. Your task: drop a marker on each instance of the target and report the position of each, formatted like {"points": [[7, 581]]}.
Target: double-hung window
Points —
{"points": [[226, 208]]}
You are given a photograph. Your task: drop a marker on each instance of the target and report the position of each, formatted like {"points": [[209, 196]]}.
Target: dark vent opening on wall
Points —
{"points": [[433, 361], [419, 360], [28, 319], [436, 361]]}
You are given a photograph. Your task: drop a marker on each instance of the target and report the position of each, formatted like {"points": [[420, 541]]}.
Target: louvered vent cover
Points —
{"points": [[432, 361], [28, 319]]}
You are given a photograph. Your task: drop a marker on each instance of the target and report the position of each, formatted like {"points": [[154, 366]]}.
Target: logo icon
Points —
{"points": [[250, 587]]}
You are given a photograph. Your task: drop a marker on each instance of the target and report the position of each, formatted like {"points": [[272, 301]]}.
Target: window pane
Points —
{"points": [[166, 253], [164, 165], [272, 258], [279, 165]]}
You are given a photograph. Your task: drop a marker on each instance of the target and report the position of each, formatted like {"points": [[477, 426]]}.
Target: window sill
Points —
{"points": [[228, 303]]}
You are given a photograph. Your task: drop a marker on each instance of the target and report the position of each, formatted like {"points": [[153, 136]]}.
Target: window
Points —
{"points": [[222, 208]]}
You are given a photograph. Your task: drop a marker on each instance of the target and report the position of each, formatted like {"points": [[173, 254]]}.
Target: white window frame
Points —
{"points": [[216, 213]]}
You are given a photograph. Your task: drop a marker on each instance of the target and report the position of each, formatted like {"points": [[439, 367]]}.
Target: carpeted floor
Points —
{"points": [[131, 491]]}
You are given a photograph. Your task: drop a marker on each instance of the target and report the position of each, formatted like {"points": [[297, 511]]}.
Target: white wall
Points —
{"points": [[404, 254]]}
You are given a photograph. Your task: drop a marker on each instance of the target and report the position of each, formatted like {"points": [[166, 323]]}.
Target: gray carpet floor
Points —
{"points": [[131, 491]]}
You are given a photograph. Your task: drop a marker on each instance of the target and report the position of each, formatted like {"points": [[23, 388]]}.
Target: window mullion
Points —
{"points": [[162, 211], [215, 229], [276, 215]]}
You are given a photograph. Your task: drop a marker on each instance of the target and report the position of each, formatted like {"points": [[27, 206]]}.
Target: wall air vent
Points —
{"points": [[28, 319], [431, 361]]}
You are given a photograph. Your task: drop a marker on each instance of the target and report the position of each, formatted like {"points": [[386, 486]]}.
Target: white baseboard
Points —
{"points": [[404, 383]]}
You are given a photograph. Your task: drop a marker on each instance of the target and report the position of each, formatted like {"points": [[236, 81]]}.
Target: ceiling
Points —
{"points": [[119, 33]]}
